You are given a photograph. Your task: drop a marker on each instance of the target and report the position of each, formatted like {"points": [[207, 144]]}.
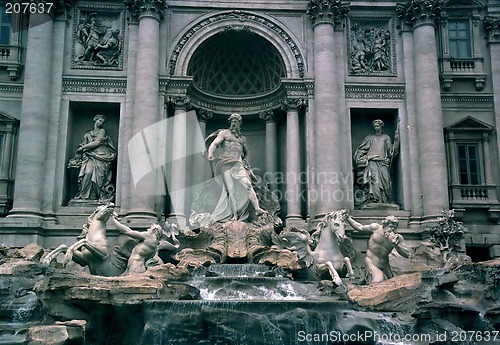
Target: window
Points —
{"points": [[468, 157], [4, 27], [459, 38]]}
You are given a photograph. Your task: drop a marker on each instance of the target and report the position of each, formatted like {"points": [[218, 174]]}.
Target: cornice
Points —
{"points": [[467, 98], [11, 88]]}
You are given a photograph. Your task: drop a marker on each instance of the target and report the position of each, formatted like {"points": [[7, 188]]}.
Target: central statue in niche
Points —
{"points": [[235, 209], [232, 166]]}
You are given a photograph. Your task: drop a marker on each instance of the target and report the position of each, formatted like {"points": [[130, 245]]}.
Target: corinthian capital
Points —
{"points": [[146, 8], [420, 12], [492, 26], [294, 104], [178, 102], [327, 11]]}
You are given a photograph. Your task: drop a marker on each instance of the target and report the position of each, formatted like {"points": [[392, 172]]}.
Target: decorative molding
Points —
{"points": [[371, 46], [492, 26], [294, 104], [419, 12], [268, 101], [467, 98], [146, 8], [13, 88], [175, 101], [177, 86], [242, 16], [204, 115], [296, 88], [375, 92], [94, 85], [327, 11], [105, 50]]}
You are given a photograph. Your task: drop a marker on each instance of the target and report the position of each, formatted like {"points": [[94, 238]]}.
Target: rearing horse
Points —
{"points": [[333, 252], [93, 249]]}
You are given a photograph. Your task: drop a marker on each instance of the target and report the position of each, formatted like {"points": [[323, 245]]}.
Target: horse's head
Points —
{"points": [[336, 222], [104, 210]]}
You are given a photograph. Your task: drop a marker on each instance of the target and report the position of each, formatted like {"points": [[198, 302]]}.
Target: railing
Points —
{"points": [[462, 65], [463, 68], [473, 195], [10, 57]]}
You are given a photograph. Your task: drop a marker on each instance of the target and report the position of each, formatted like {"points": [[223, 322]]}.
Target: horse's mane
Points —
{"points": [[322, 224], [86, 226]]}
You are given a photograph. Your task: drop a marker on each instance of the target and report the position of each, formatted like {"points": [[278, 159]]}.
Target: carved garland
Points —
{"points": [[241, 16]]}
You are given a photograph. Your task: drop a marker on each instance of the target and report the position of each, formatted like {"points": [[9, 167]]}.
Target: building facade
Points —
{"points": [[308, 78]]}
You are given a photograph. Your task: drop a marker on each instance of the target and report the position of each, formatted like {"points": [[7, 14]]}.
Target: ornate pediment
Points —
{"points": [[470, 123]]}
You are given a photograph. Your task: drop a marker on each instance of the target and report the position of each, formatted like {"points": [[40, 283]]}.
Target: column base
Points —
{"points": [[295, 221], [179, 219]]}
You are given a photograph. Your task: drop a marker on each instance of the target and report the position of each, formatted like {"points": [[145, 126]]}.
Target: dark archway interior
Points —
{"points": [[236, 63]]}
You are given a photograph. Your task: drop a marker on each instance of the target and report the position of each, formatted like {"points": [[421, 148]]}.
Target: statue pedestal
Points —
{"points": [[84, 203], [380, 206]]}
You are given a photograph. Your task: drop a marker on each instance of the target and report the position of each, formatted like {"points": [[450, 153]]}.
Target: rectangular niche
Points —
{"points": [[361, 127], [80, 121], [371, 46]]}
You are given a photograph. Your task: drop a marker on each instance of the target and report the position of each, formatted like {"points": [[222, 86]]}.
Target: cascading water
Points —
{"points": [[248, 304]]}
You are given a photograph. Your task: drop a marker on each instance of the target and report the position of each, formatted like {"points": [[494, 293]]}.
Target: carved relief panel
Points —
{"points": [[371, 46], [98, 37]]}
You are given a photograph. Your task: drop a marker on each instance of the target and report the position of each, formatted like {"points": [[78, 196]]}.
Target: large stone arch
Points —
{"points": [[267, 27]]}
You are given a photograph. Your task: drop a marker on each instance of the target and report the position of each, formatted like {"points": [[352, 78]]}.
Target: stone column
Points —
{"points": [[492, 26], [432, 157], [487, 158], [178, 180], [146, 94], [453, 159], [35, 115], [271, 148], [201, 172], [325, 14], [293, 176]]}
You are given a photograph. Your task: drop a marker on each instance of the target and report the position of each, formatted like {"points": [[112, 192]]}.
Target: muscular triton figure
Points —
{"points": [[383, 240]]}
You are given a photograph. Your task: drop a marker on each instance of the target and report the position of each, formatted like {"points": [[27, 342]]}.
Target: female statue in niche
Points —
{"points": [[94, 157], [373, 160]]}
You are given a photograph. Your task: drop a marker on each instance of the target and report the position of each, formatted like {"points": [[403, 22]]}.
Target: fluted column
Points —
{"points": [[492, 26], [146, 108], [325, 14], [178, 180], [271, 148], [432, 157], [293, 175], [35, 116]]}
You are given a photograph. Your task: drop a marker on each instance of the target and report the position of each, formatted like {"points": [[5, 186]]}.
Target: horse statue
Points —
{"points": [[333, 250], [92, 248], [327, 253]]}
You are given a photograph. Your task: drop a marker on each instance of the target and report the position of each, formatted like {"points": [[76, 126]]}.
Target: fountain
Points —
{"points": [[237, 276]]}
